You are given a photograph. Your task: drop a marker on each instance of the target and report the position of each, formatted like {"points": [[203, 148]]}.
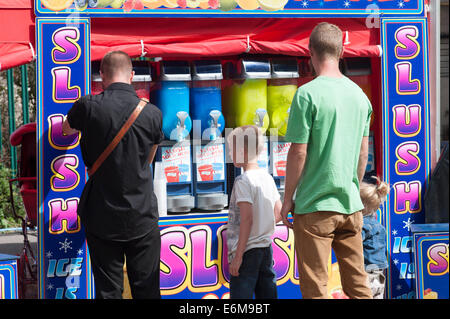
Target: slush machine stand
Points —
{"points": [[141, 79], [280, 93], [96, 80], [359, 71], [208, 145], [245, 103], [171, 96]]}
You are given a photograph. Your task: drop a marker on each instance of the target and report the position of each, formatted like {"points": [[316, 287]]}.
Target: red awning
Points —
{"points": [[16, 33], [190, 37]]}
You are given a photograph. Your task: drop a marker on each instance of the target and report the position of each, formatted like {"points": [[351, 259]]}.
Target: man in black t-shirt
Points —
{"points": [[118, 207]]}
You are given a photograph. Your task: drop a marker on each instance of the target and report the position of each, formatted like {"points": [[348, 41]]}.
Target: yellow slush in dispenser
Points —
{"points": [[281, 89], [245, 100], [280, 93]]}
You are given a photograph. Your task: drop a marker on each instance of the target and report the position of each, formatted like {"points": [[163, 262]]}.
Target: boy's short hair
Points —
{"points": [[115, 63], [248, 141], [326, 41]]}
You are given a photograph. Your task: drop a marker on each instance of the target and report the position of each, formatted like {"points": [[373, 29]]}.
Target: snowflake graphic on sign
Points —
{"points": [[408, 224], [65, 245]]}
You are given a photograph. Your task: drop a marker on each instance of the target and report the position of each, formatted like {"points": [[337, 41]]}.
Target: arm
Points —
{"points": [[244, 233], [277, 211], [66, 129], [151, 156], [296, 159], [363, 154]]}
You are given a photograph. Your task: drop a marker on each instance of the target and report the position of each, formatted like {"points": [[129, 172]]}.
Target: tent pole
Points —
{"points": [[12, 122], [25, 97]]}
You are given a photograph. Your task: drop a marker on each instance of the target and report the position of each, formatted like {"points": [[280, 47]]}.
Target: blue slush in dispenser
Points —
{"points": [[206, 98], [171, 96], [208, 145]]}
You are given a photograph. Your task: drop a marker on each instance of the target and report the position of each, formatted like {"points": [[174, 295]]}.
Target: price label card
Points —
{"points": [[176, 161], [210, 162]]}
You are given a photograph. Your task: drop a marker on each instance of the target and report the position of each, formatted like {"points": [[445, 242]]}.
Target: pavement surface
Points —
{"points": [[12, 243]]}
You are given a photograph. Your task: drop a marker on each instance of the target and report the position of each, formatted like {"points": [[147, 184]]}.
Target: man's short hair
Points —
{"points": [[326, 41], [116, 63]]}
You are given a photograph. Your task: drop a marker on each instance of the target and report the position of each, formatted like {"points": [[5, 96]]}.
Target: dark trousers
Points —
{"points": [[256, 276], [142, 259]]}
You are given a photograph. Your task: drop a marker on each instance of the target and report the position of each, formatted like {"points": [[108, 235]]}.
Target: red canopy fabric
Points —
{"points": [[191, 37], [183, 37], [17, 45]]}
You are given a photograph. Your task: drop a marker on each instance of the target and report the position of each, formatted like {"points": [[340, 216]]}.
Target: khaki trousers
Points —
{"points": [[315, 234]]}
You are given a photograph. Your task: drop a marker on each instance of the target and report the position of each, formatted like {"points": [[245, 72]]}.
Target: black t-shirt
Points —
{"points": [[118, 202]]}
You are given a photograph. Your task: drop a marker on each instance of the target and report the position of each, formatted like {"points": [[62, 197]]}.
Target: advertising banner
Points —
{"points": [[63, 76], [406, 143], [228, 8], [194, 262], [431, 260], [8, 277]]}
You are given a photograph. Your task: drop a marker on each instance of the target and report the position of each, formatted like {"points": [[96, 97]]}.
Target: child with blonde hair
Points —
{"points": [[374, 235], [253, 211]]}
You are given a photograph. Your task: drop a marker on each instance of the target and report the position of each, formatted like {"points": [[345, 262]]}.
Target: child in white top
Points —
{"points": [[253, 211]]}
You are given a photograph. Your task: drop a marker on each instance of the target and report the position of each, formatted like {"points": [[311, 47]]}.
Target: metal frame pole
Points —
{"points": [[12, 119], [25, 96]]}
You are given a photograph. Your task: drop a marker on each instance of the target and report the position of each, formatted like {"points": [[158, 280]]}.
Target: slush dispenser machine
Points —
{"points": [[280, 93], [96, 80], [171, 96], [245, 102], [208, 145], [359, 71], [141, 79]]}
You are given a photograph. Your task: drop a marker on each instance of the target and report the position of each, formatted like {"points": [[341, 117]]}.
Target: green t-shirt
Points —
{"points": [[331, 115]]}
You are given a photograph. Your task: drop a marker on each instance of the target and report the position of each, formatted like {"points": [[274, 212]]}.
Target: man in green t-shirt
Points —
{"points": [[328, 127]]}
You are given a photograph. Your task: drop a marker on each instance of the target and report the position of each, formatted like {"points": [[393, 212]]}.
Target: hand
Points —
{"points": [[288, 206], [235, 265]]}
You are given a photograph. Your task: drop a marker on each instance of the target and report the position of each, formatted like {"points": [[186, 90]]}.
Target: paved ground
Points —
{"points": [[12, 243]]}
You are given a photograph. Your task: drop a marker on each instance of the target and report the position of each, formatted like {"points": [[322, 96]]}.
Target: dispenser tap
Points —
{"points": [[181, 131], [286, 120], [214, 124], [259, 119]]}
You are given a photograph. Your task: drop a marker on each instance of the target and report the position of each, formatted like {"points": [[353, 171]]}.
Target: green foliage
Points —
{"points": [[7, 219], [5, 156]]}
